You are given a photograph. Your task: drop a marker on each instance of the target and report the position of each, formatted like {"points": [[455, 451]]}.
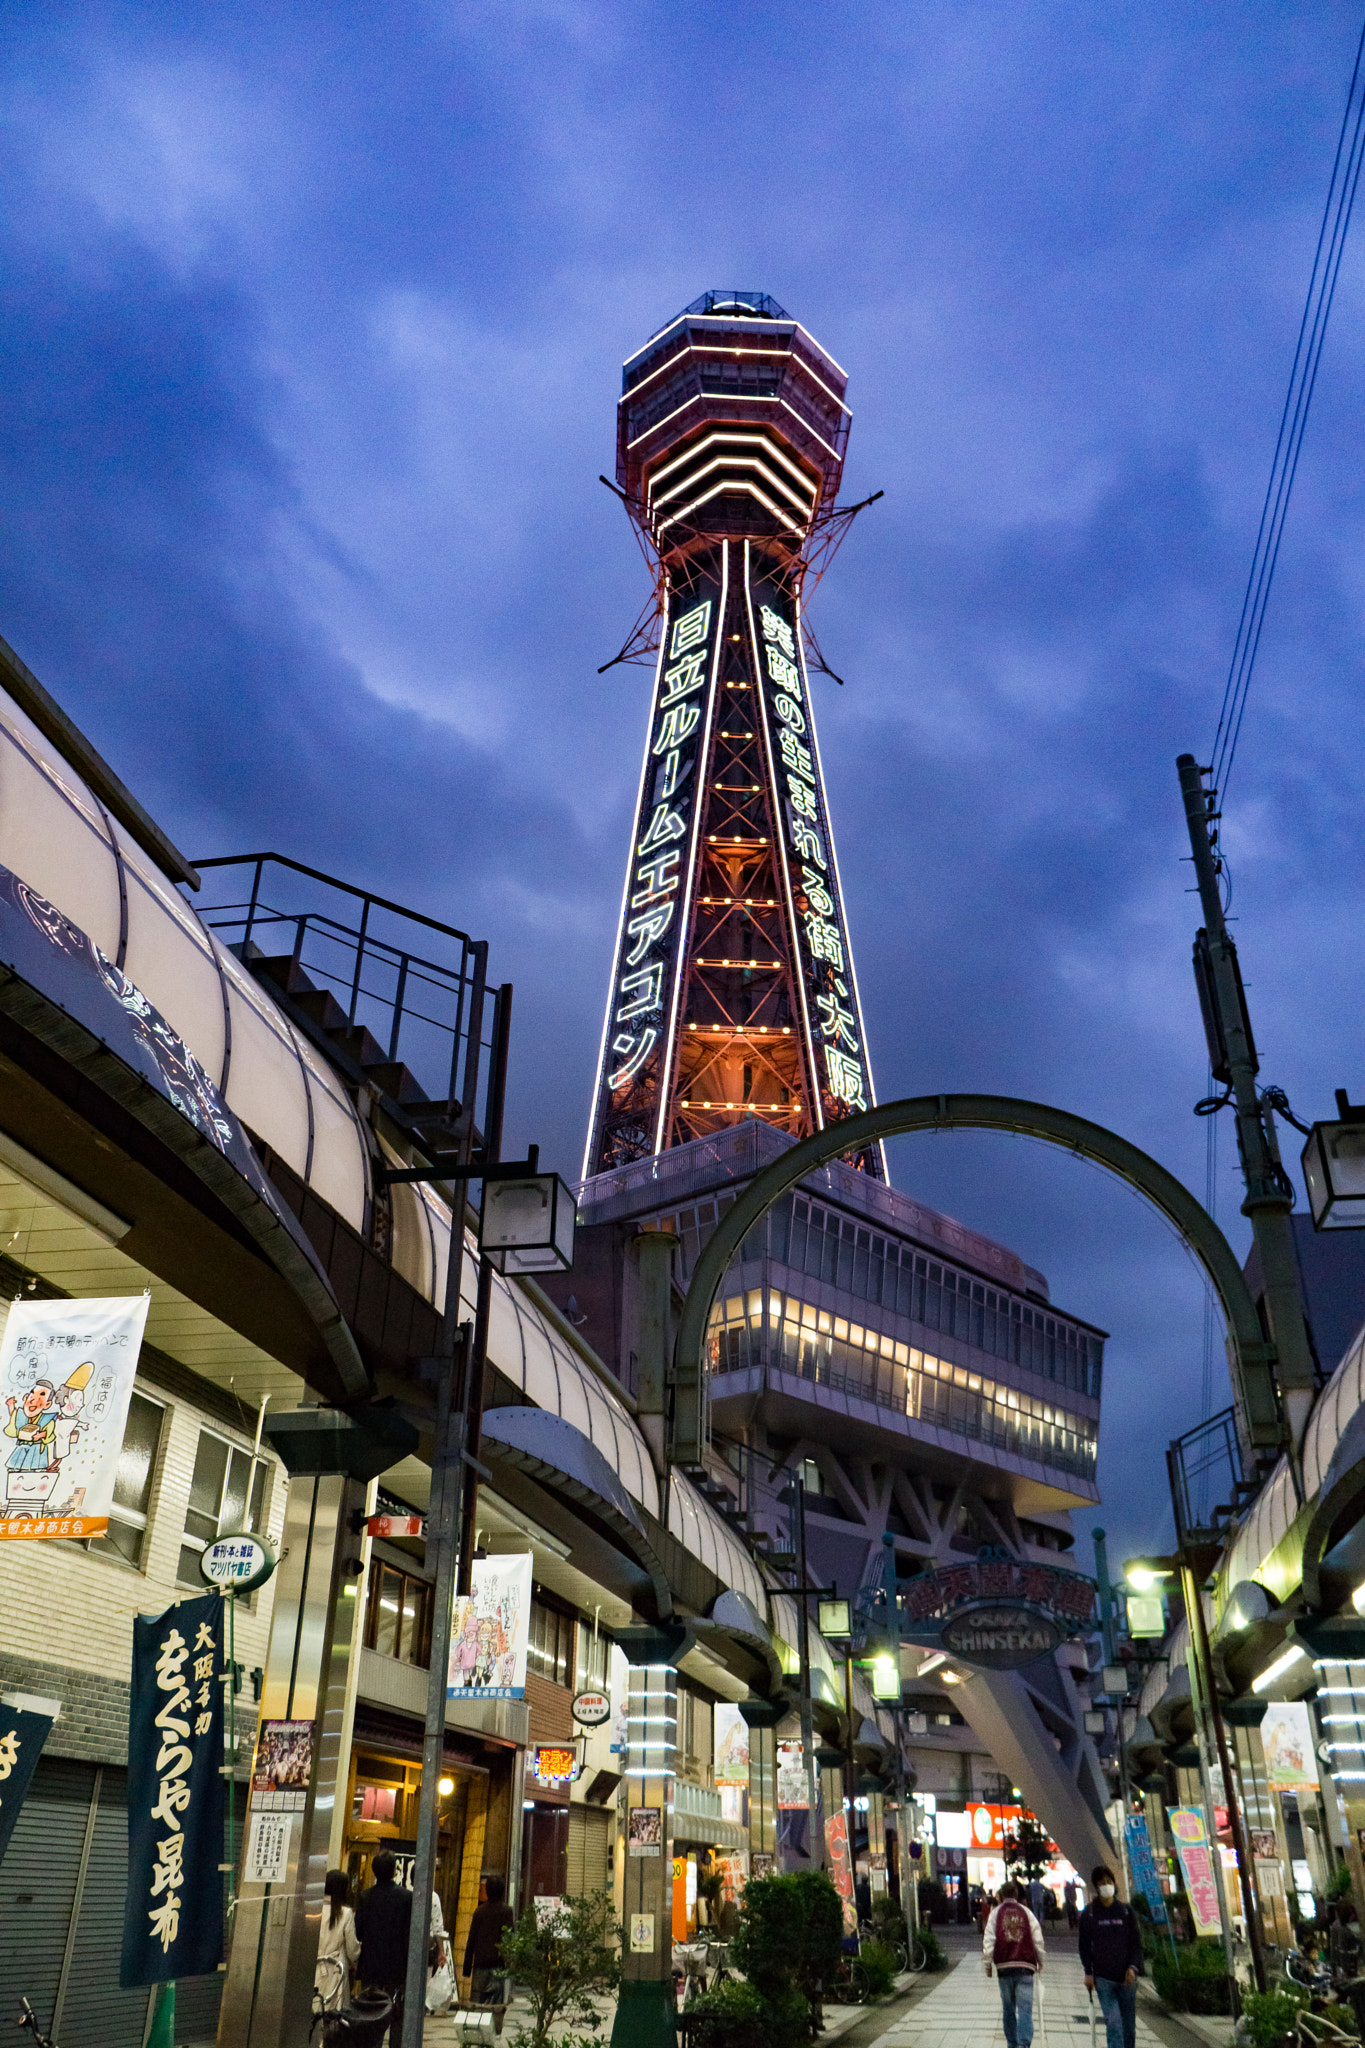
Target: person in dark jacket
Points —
{"points": [[483, 1963], [1111, 1956], [382, 1922]]}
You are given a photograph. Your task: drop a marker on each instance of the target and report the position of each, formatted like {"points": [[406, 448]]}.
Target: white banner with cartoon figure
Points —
{"points": [[66, 1376], [492, 1628]]}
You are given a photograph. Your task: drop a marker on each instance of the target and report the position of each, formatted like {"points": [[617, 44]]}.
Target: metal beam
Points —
{"points": [[1251, 1358]]}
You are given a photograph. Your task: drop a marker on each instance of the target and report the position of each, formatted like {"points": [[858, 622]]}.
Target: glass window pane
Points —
{"points": [[410, 1642], [124, 1540], [205, 1527], [187, 1571], [210, 1470], [233, 1515], [387, 1612], [141, 1435]]}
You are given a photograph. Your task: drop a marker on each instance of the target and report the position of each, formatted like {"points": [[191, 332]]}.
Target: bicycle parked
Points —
{"points": [[28, 2021]]}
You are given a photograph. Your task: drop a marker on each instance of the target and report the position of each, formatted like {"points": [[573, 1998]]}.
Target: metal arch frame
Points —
{"points": [[1251, 1357]]}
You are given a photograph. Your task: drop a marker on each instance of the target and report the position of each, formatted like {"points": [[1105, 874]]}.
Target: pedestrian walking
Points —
{"points": [[383, 1920], [1111, 1956], [1013, 1947], [338, 1947], [1036, 1899], [1069, 1900], [483, 1963]]}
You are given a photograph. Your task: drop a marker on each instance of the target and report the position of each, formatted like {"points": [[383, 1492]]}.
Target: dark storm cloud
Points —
{"points": [[311, 335]]}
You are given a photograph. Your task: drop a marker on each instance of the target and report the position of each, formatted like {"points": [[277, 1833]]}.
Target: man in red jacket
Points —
{"points": [[1013, 1948]]}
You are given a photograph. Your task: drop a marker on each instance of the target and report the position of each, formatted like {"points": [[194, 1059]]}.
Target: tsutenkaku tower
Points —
{"points": [[733, 994]]}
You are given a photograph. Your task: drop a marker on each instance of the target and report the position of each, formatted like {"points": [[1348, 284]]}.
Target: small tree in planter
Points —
{"points": [[788, 1946], [565, 1961]]}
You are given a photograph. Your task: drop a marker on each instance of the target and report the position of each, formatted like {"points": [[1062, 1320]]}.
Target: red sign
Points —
{"points": [[988, 1827], [554, 1762], [397, 1525], [836, 1841]]}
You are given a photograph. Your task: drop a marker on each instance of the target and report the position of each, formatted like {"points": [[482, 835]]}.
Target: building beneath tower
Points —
{"points": [[912, 1374]]}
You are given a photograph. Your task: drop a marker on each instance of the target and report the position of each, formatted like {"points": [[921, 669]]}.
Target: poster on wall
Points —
{"points": [[1287, 1739], [283, 1767], [836, 1842], [492, 1626], [66, 1377], [1201, 1885], [792, 1789], [732, 1745]]}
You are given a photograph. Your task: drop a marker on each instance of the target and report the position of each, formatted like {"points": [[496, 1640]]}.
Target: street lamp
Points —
{"points": [[1334, 1168]]}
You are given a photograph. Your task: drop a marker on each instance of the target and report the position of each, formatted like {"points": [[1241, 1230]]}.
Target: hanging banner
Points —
{"points": [[793, 1788], [732, 1744], [1142, 1863], [173, 1920], [22, 1736], [66, 1377], [492, 1628], [841, 1867], [1201, 1885], [1287, 1739]]}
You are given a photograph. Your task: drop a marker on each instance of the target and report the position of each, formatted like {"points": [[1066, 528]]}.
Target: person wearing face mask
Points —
{"points": [[1111, 1956]]}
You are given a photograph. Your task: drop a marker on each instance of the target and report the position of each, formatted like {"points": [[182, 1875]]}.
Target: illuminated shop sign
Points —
{"points": [[997, 1614], [554, 1763], [833, 1025], [654, 914]]}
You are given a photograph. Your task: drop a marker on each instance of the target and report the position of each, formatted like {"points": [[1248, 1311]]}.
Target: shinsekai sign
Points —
{"points": [[998, 1613], [173, 1920]]}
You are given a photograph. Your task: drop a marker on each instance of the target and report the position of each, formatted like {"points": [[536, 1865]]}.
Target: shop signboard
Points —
{"points": [[173, 1918], [591, 1709], [66, 1377], [237, 1562], [1201, 1885], [492, 1625], [1287, 1739], [1142, 1863], [732, 1745], [998, 1613], [554, 1763], [22, 1735], [988, 1826]]}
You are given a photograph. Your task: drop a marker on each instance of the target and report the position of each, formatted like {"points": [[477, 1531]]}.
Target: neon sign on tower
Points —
{"points": [[733, 993]]}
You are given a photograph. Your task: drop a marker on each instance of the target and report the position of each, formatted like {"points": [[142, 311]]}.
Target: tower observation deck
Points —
{"points": [[733, 992]]}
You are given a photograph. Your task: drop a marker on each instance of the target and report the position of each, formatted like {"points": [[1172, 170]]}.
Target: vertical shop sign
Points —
{"points": [[66, 1377], [22, 1736], [836, 1841], [492, 1629], [1142, 1863], [1201, 1886], [173, 1920]]}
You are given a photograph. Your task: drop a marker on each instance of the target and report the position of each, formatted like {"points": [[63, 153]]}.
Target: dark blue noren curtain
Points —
{"points": [[22, 1736], [173, 1921]]}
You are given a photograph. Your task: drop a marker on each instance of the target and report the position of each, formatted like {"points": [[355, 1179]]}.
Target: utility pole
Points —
{"points": [[1232, 1056]]}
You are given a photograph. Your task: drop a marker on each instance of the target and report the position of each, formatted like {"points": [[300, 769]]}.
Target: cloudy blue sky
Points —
{"points": [[311, 319]]}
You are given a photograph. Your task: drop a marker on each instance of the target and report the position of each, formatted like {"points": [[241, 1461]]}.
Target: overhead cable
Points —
{"points": [[1322, 286]]}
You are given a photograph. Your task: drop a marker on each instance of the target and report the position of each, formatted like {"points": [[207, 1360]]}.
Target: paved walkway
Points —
{"points": [[963, 2009]]}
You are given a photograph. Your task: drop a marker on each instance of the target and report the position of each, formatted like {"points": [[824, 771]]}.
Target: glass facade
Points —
{"points": [[797, 1337]]}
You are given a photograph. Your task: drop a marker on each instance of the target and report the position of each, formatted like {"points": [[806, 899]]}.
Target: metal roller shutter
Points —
{"points": [[38, 1885], [96, 2012], [589, 1844]]}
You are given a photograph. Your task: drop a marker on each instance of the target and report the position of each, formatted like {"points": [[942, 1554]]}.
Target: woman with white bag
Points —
{"points": [[440, 1976]]}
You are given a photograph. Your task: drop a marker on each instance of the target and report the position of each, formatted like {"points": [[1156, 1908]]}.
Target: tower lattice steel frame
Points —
{"points": [[733, 992]]}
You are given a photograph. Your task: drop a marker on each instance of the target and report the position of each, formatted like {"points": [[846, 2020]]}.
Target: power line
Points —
{"points": [[1336, 219]]}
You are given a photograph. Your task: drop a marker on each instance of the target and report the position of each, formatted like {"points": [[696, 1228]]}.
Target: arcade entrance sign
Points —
{"points": [[999, 1613]]}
